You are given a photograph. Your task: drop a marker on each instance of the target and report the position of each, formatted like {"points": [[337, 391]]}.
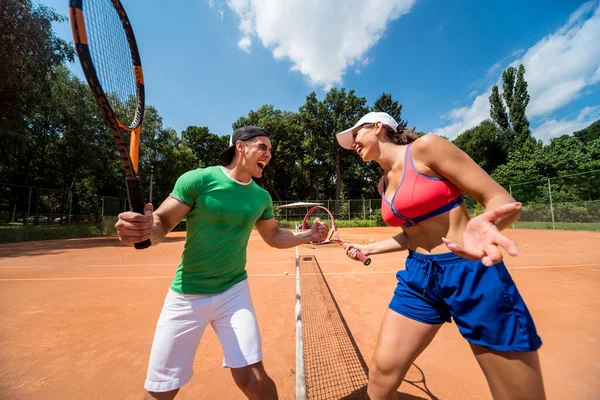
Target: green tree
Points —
{"points": [[385, 103], [320, 121], [484, 145], [206, 146], [590, 133], [514, 125], [29, 51], [497, 110]]}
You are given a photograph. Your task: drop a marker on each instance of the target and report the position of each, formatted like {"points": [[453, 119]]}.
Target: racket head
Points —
{"points": [[325, 216], [110, 59]]}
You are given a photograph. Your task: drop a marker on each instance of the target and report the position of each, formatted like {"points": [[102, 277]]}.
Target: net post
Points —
{"points": [[300, 373], [551, 205], [510, 192]]}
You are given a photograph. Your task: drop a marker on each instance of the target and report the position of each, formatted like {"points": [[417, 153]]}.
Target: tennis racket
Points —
{"points": [[326, 216], [111, 63]]}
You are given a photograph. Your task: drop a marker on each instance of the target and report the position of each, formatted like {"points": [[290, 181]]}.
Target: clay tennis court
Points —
{"points": [[78, 316]]}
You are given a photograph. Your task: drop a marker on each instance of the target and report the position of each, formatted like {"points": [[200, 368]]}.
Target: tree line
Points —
{"points": [[53, 136]]}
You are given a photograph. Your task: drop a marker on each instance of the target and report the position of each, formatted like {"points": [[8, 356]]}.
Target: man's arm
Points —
{"points": [[279, 238], [168, 215]]}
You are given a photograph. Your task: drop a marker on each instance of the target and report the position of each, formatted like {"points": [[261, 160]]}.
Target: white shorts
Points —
{"points": [[180, 327]]}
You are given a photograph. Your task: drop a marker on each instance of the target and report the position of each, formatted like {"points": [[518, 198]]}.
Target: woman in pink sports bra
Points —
{"points": [[454, 270]]}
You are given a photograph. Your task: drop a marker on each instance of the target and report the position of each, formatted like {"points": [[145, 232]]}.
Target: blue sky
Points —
{"points": [[209, 62]]}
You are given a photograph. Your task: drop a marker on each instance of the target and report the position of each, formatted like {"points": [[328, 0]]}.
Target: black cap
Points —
{"points": [[243, 133]]}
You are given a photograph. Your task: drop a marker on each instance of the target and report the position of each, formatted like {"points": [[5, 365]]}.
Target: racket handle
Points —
{"points": [[365, 260], [136, 202]]}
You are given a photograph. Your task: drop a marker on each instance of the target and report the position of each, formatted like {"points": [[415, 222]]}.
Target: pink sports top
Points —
{"points": [[418, 197]]}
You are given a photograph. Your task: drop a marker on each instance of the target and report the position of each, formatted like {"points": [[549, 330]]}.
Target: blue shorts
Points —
{"points": [[483, 301]]}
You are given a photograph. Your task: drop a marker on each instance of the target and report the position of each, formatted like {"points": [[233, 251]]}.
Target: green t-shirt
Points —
{"points": [[219, 224]]}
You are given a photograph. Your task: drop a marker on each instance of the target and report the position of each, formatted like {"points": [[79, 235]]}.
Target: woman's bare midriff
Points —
{"points": [[426, 237]]}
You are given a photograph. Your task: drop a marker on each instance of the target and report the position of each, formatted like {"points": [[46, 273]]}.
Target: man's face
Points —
{"points": [[257, 154]]}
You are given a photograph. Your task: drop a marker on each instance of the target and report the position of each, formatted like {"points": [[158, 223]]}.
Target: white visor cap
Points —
{"points": [[345, 138]]}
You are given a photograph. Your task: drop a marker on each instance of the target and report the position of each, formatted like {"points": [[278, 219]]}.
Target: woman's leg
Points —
{"points": [[511, 375], [400, 342]]}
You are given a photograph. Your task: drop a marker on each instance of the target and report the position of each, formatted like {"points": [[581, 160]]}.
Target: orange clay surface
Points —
{"points": [[78, 316]]}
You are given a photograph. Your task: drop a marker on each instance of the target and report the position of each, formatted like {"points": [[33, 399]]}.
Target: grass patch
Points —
{"points": [[567, 226], [11, 233]]}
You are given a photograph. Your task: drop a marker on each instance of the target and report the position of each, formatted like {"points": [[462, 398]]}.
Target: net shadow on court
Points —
{"points": [[333, 364]]}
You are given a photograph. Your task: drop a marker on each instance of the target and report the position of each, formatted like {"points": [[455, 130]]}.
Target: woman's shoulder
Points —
{"points": [[429, 144]]}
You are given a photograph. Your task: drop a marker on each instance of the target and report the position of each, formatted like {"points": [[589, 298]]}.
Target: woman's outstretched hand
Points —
{"points": [[482, 239]]}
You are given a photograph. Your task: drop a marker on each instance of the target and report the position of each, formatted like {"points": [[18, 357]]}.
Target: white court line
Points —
{"points": [[174, 264], [107, 278], [555, 266]]}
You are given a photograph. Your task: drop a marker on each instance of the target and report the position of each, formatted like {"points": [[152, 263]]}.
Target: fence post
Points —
{"points": [[28, 203], [349, 219], [102, 219], [510, 191], [551, 205], [27, 216], [364, 209], [70, 208]]}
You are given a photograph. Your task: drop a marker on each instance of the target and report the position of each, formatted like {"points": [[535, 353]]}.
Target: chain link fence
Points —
{"points": [[29, 213], [32, 213], [564, 202]]}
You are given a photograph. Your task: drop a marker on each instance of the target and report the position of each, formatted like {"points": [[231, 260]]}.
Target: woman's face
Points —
{"points": [[364, 141]]}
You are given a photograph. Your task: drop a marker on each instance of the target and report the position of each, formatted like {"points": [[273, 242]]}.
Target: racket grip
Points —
{"points": [[365, 260], [136, 202]]}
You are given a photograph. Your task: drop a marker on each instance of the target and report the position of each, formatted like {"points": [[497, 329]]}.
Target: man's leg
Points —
{"points": [[237, 328], [254, 382], [180, 326], [170, 395]]}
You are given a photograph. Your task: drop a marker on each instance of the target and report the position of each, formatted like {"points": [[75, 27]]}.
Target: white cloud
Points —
{"points": [[466, 117], [321, 39], [553, 128], [558, 69], [596, 77], [244, 44]]}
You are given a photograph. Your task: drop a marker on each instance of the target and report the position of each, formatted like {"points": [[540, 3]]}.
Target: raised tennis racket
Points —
{"points": [[326, 216], [111, 63]]}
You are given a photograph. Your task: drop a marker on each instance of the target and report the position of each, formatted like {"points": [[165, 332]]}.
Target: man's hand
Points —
{"points": [[482, 239], [319, 231], [134, 228]]}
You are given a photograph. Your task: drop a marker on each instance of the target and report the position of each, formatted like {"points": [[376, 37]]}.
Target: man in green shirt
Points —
{"points": [[222, 205]]}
